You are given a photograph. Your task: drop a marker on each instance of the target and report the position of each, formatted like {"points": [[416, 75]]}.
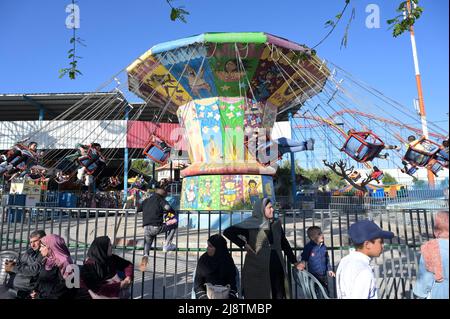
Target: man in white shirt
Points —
{"points": [[354, 276]]}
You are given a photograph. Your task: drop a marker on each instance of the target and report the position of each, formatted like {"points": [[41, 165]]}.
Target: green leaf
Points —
{"points": [[339, 16], [173, 14], [391, 21], [402, 6]]}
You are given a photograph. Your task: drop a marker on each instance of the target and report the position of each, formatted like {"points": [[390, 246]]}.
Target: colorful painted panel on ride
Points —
{"points": [[209, 193], [303, 84], [233, 66], [253, 189], [190, 192], [268, 189], [225, 192], [231, 191], [156, 77], [191, 67], [232, 115], [187, 115], [272, 72], [208, 115]]}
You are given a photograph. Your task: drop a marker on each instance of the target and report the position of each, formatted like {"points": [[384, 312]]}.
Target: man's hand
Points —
{"points": [[331, 274], [9, 266], [171, 221]]}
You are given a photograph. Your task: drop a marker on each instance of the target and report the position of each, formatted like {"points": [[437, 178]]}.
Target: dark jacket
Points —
{"points": [[317, 258], [91, 280], [263, 274], [153, 209], [218, 269], [51, 285], [27, 270]]}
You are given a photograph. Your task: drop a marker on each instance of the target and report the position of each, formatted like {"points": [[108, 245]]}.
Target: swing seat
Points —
{"points": [[435, 166], [362, 146], [157, 150], [377, 177], [416, 157], [425, 146], [89, 161], [421, 152]]}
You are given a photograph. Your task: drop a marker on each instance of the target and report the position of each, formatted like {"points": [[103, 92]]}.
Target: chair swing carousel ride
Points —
{"points": [[228, 90]]}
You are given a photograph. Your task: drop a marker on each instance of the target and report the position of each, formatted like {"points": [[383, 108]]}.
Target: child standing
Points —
{"points": [[315, 257]]}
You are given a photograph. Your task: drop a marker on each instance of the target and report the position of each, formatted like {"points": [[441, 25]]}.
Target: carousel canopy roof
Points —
{"points": [[256, 65]]}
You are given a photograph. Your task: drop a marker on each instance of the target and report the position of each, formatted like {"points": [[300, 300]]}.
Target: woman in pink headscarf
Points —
{"points": [[432, 278], [51, 281]]}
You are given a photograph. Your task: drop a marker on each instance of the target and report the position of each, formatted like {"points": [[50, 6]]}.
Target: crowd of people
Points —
{"points": [[46, 271], [264, 240], [43, 270]]}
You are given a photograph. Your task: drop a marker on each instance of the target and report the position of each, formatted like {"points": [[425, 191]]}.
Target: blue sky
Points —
{"points": [[34, 41]]}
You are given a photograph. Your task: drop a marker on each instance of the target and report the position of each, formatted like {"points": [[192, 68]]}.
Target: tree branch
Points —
{"points": [[333, 24], [344, 172]]}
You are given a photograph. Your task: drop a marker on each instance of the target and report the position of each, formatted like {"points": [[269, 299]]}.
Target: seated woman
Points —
{"points": [[103, 274], [51, 282], [215, 267]]}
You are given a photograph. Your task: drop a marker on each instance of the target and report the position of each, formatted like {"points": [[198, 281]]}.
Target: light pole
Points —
{"points": [[431, 180]]}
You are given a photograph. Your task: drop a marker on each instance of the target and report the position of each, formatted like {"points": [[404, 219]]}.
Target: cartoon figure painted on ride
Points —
{"points": [[227, 90]]}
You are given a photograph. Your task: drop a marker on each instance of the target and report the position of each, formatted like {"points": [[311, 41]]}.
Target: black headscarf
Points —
{"points": [[102, 268], [220, 266]]}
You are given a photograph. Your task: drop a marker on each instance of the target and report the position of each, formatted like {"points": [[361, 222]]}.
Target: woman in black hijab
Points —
{"points": [[263, 274], [104, 273], [216, 267]]}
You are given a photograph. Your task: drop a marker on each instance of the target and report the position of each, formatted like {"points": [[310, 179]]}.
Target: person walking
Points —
{"points": [[158, 217]]}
